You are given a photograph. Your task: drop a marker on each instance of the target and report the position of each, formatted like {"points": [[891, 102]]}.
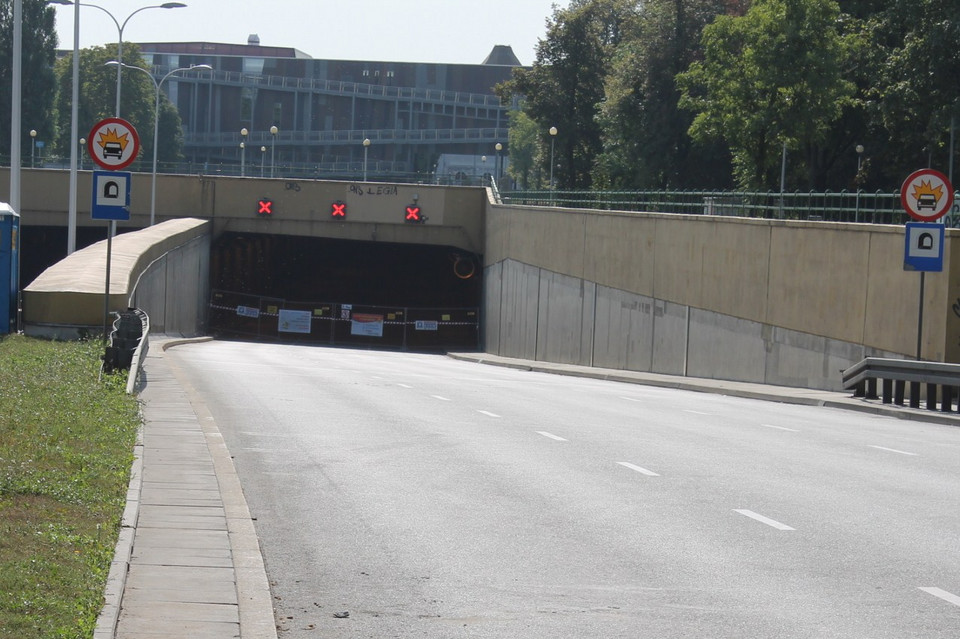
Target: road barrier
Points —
{"points": [[938, 378]]}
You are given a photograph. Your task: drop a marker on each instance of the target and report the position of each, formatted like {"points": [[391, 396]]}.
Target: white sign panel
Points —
{"points": [[294, 321]]}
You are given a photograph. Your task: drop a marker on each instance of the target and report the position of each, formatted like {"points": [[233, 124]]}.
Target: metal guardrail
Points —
{"points": [[939, 379]]}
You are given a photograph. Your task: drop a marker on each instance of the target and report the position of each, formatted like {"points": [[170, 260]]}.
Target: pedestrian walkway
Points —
{"points": [[188, 563]]}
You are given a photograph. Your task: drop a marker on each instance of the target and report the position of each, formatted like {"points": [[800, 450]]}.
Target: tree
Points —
{"points": [[564, 86], [646, 144], [523, 146], [39, 49], [772, 77], [98, 101]]}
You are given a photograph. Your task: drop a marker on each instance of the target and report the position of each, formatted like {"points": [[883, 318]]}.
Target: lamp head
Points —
{"points": [[498, 147], [366, 141], [553, 130], [274, 130], [172, 5], [244, 132]]}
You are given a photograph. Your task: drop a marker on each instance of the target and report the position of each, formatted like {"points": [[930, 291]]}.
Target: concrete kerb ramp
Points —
{"points": [[68, 298]]}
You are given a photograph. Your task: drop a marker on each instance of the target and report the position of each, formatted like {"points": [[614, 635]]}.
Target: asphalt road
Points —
{"points": [[428, 497]]}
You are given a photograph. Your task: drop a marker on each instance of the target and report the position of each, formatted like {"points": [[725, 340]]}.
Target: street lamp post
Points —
{"points": [[273, 148], [156, 121], [83, 141], [33, 146], [263, 158], [553, 136], [483, 168], [243, 151], [366, 145], [498, 165], [859, 149]]}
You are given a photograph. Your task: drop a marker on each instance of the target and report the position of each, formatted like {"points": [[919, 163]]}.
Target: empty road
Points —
{"points": [[401, 495]]}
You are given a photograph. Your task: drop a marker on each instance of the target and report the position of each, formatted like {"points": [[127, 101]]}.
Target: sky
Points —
{"points": [[441, 31]]}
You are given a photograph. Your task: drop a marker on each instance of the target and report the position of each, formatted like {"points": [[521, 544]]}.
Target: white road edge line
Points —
{"points": [[642, 471], [942, 594], [551, 436], [762, 519], [442, 399], [487, 413], [894, 450], [791, 430]]}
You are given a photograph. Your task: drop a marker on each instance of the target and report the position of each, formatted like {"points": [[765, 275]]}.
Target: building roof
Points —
{"points": [[503, 55], [221, 49]]}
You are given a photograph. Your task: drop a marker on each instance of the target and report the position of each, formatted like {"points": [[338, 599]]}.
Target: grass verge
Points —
{"points": [[66, 446]]}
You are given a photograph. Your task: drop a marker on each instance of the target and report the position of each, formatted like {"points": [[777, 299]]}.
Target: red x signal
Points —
{"points": [[264, 207], [338, 209], [413, 214]]}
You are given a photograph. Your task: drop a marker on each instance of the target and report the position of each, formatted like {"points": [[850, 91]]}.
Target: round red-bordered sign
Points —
{"points": [[113, 144], [926, 195]]}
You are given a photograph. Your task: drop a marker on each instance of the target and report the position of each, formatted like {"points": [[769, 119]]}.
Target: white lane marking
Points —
{"points": [[894, 450], [551, 436], [696, 412], [791, 430], [442, 399], [632, 399], [642, 471], [404, 385], [487, 413], [762, 519], [943, 594]]}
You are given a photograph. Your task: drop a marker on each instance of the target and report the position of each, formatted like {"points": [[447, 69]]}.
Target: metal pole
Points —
{"points": [[156, 133], [923, 278], [74, 135], [15, 111], [111, 231], [783, 176]]}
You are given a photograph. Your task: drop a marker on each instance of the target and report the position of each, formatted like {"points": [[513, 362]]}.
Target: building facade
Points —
{"points": [[324, 110]]}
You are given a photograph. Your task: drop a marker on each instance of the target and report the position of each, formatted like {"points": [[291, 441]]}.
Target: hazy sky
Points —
{"points": [[444, 31]]}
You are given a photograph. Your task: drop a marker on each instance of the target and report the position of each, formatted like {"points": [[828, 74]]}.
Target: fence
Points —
{"points": [[877, 207], [260, 317]]}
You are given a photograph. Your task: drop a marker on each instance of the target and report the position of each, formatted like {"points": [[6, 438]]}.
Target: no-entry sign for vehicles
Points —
{"points": [[926, 195], [113, 144]]}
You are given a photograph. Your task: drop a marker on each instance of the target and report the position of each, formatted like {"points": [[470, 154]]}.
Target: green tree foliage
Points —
{"points": [[646, 144], [39, 48], [565, 85], [98, 84], [771, 77], [524, 147]]}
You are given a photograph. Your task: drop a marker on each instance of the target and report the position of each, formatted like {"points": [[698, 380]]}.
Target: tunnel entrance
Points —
{"points": [[376, 294]]}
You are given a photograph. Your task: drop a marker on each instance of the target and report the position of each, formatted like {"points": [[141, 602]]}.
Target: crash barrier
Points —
{"points": [[128, 330], [243, 315], [929, 380]]}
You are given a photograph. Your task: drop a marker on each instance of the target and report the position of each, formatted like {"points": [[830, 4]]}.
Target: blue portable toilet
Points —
{"points": [[9, 265]]}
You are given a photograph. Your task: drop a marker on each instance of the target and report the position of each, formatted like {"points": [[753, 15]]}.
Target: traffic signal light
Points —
{"points": [[265, 207], [413, 214], [338, 210]]}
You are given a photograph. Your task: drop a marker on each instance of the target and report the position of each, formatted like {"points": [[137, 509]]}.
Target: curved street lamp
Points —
{"points": [[156, 120], [120, 28], [273, 148]]}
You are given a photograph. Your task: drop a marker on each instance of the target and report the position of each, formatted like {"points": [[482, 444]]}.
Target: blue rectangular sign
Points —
{"points": [[111, 196], [923, 247]]}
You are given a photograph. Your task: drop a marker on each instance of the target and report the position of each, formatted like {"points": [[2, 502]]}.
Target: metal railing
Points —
{"points": [[878, 207], [894, 374]]}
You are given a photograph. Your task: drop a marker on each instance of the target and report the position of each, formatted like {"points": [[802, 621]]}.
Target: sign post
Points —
{"points": [[113, 144], [927, 196]]}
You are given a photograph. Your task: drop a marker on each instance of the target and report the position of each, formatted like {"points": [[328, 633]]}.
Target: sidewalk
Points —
{"points": [[188, 562]]}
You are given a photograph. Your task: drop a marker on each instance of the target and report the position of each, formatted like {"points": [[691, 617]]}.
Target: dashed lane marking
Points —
{"points": [[642, 471], [763, 520], [894, 450], [942, 594], [551, 436]]}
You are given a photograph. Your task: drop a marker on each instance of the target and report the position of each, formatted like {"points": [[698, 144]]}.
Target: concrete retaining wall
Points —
{"points": [[783, 302], [174, 291]]}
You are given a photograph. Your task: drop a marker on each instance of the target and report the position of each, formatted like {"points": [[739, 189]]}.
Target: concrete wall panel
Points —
{"points": [[724, 347], [560, 318], [492, 295], [518, 314], [669, 337]]}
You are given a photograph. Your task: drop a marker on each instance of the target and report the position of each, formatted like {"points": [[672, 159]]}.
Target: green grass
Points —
{"points": [[66, 446]]}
